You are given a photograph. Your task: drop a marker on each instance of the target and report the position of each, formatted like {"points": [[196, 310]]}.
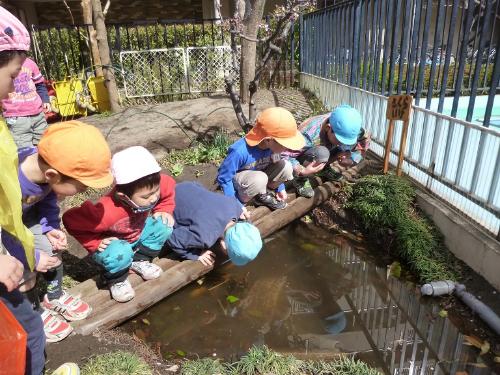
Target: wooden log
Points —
{"points": [[147, 294]]}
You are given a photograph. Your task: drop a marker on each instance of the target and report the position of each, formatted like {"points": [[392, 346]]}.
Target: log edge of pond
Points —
{"points": [[107, 313]]}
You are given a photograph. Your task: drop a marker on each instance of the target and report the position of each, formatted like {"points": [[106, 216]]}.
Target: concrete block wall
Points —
{"points": [[464, 239]]}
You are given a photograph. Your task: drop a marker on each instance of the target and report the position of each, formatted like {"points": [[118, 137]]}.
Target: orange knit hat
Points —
{"points": [[276, 123], [79, 151]]}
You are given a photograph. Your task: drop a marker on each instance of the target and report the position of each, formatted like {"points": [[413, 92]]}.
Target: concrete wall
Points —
{"points": [[464, 239]]}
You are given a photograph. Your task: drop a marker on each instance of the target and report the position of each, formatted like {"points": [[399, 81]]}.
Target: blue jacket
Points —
{"points": [[200, 217], [241, 157]]}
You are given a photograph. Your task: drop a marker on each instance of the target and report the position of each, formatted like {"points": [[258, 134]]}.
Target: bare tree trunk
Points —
{"points": [[87, 19], [102, 43], [254, 10]]}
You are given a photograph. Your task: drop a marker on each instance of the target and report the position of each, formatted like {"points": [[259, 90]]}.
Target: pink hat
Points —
{"points": [[132, 164], [13, 34]]}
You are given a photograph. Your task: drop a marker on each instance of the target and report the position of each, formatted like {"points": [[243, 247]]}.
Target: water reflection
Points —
{"points": [[313, 295]]}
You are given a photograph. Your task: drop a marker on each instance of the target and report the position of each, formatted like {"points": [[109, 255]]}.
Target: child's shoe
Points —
{"points": [[270, 201], [122, 291], [303, 187], [68, 368], [147, 270], [70, 307], [54, 327]]}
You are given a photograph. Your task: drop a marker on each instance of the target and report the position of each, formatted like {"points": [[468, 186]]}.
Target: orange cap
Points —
{"points": [[276, 123], [79, 151]]}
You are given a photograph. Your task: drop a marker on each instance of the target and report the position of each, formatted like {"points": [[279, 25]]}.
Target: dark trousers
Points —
{"points": [[32, 323]]}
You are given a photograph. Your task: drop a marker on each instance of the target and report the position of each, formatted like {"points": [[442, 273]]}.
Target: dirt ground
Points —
{"points": [[175, 125]]}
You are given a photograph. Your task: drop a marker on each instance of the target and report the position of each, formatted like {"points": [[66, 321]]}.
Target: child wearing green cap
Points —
{"points": [[336, 136], [204, 218]]}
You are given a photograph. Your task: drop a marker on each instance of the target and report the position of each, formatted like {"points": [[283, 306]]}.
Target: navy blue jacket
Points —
{"points": [[200, 218]]}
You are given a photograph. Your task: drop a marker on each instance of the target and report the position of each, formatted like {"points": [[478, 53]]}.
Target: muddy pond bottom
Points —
{"points": [[315, 295]]}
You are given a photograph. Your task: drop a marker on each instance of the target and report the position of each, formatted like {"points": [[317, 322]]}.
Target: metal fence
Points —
{"points": [[407, 334], [65, 51], [428, 48], [455, 160], [158, 72]]}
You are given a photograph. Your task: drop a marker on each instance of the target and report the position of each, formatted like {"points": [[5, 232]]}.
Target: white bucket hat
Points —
{"points": [[132, 164]]}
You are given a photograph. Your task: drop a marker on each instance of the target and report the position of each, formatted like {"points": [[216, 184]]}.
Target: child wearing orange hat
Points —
{"points": [[254, 164], [70, 157]]}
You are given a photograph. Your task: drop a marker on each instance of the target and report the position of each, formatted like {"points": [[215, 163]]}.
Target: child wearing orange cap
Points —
{"points": [[126, 229], [70, 157], [254, 163]]}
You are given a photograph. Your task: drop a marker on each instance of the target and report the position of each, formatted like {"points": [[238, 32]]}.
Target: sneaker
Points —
{"points": [[54, 327], [146, 270], [70, 307], [303, 187], [329, 174], [122, 291], [68, 368], [270, 201]]}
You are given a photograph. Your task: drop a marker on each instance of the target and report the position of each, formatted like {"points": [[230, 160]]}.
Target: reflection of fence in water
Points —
{"points": [[409, 336]]}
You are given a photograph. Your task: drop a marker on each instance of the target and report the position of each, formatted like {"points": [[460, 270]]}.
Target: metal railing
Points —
{"points": [[454, 159], [427, 48]]}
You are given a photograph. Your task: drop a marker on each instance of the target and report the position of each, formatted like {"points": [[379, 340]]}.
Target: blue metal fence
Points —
{"points": [[430, 49]]}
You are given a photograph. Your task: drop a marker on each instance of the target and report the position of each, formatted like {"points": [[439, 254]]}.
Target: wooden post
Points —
{"points": [[398, 109], [94, 50], [388, 145], [102, 44]]}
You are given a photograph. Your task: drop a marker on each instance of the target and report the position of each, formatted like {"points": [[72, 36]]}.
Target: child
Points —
{"points": [[127, 228], [202, 218], [14, 42], [335, 136], [254, 163], [25, 106], [70, 157]]}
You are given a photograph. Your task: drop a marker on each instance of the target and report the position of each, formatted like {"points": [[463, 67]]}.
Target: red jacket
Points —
{"points": [[91, 223]]}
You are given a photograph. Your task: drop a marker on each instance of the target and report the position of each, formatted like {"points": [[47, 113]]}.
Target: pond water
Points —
{"points": [[314, 295]]}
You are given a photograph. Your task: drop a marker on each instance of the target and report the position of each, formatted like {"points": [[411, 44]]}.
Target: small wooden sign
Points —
{"points": [[399, 107]]}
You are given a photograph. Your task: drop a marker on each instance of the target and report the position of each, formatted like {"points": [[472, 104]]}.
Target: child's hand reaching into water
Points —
{"points": [[207, 258]]}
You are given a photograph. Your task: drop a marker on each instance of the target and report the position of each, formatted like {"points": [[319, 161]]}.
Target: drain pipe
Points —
{"points": [[439, 288]]}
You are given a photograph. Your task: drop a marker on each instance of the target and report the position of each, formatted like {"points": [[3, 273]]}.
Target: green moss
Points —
{"points": [[385, 207]]}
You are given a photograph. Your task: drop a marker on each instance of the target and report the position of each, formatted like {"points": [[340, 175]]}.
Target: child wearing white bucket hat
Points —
{"points": [[127, 227]]}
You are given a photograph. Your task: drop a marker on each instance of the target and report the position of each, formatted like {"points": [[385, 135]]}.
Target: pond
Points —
{"points": [[312, 294]]}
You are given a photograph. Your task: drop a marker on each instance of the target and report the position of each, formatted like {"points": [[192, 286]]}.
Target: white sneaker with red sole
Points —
{"points": [[54, 327], [70, 307]]}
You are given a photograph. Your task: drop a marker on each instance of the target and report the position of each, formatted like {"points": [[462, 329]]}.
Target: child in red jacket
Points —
{"points": [[127, 228]]}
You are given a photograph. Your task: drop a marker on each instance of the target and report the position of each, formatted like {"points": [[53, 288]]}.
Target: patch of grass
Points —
{"points": [[262, 361], [211, 151], [384, 204], [117, 363]]}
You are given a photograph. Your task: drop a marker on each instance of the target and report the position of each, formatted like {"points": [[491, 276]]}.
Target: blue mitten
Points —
{"points": [[116, 257]]}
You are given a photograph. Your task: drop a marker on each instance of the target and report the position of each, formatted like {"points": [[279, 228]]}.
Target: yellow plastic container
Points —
{"points": [[99, 93], [66, 97]]}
